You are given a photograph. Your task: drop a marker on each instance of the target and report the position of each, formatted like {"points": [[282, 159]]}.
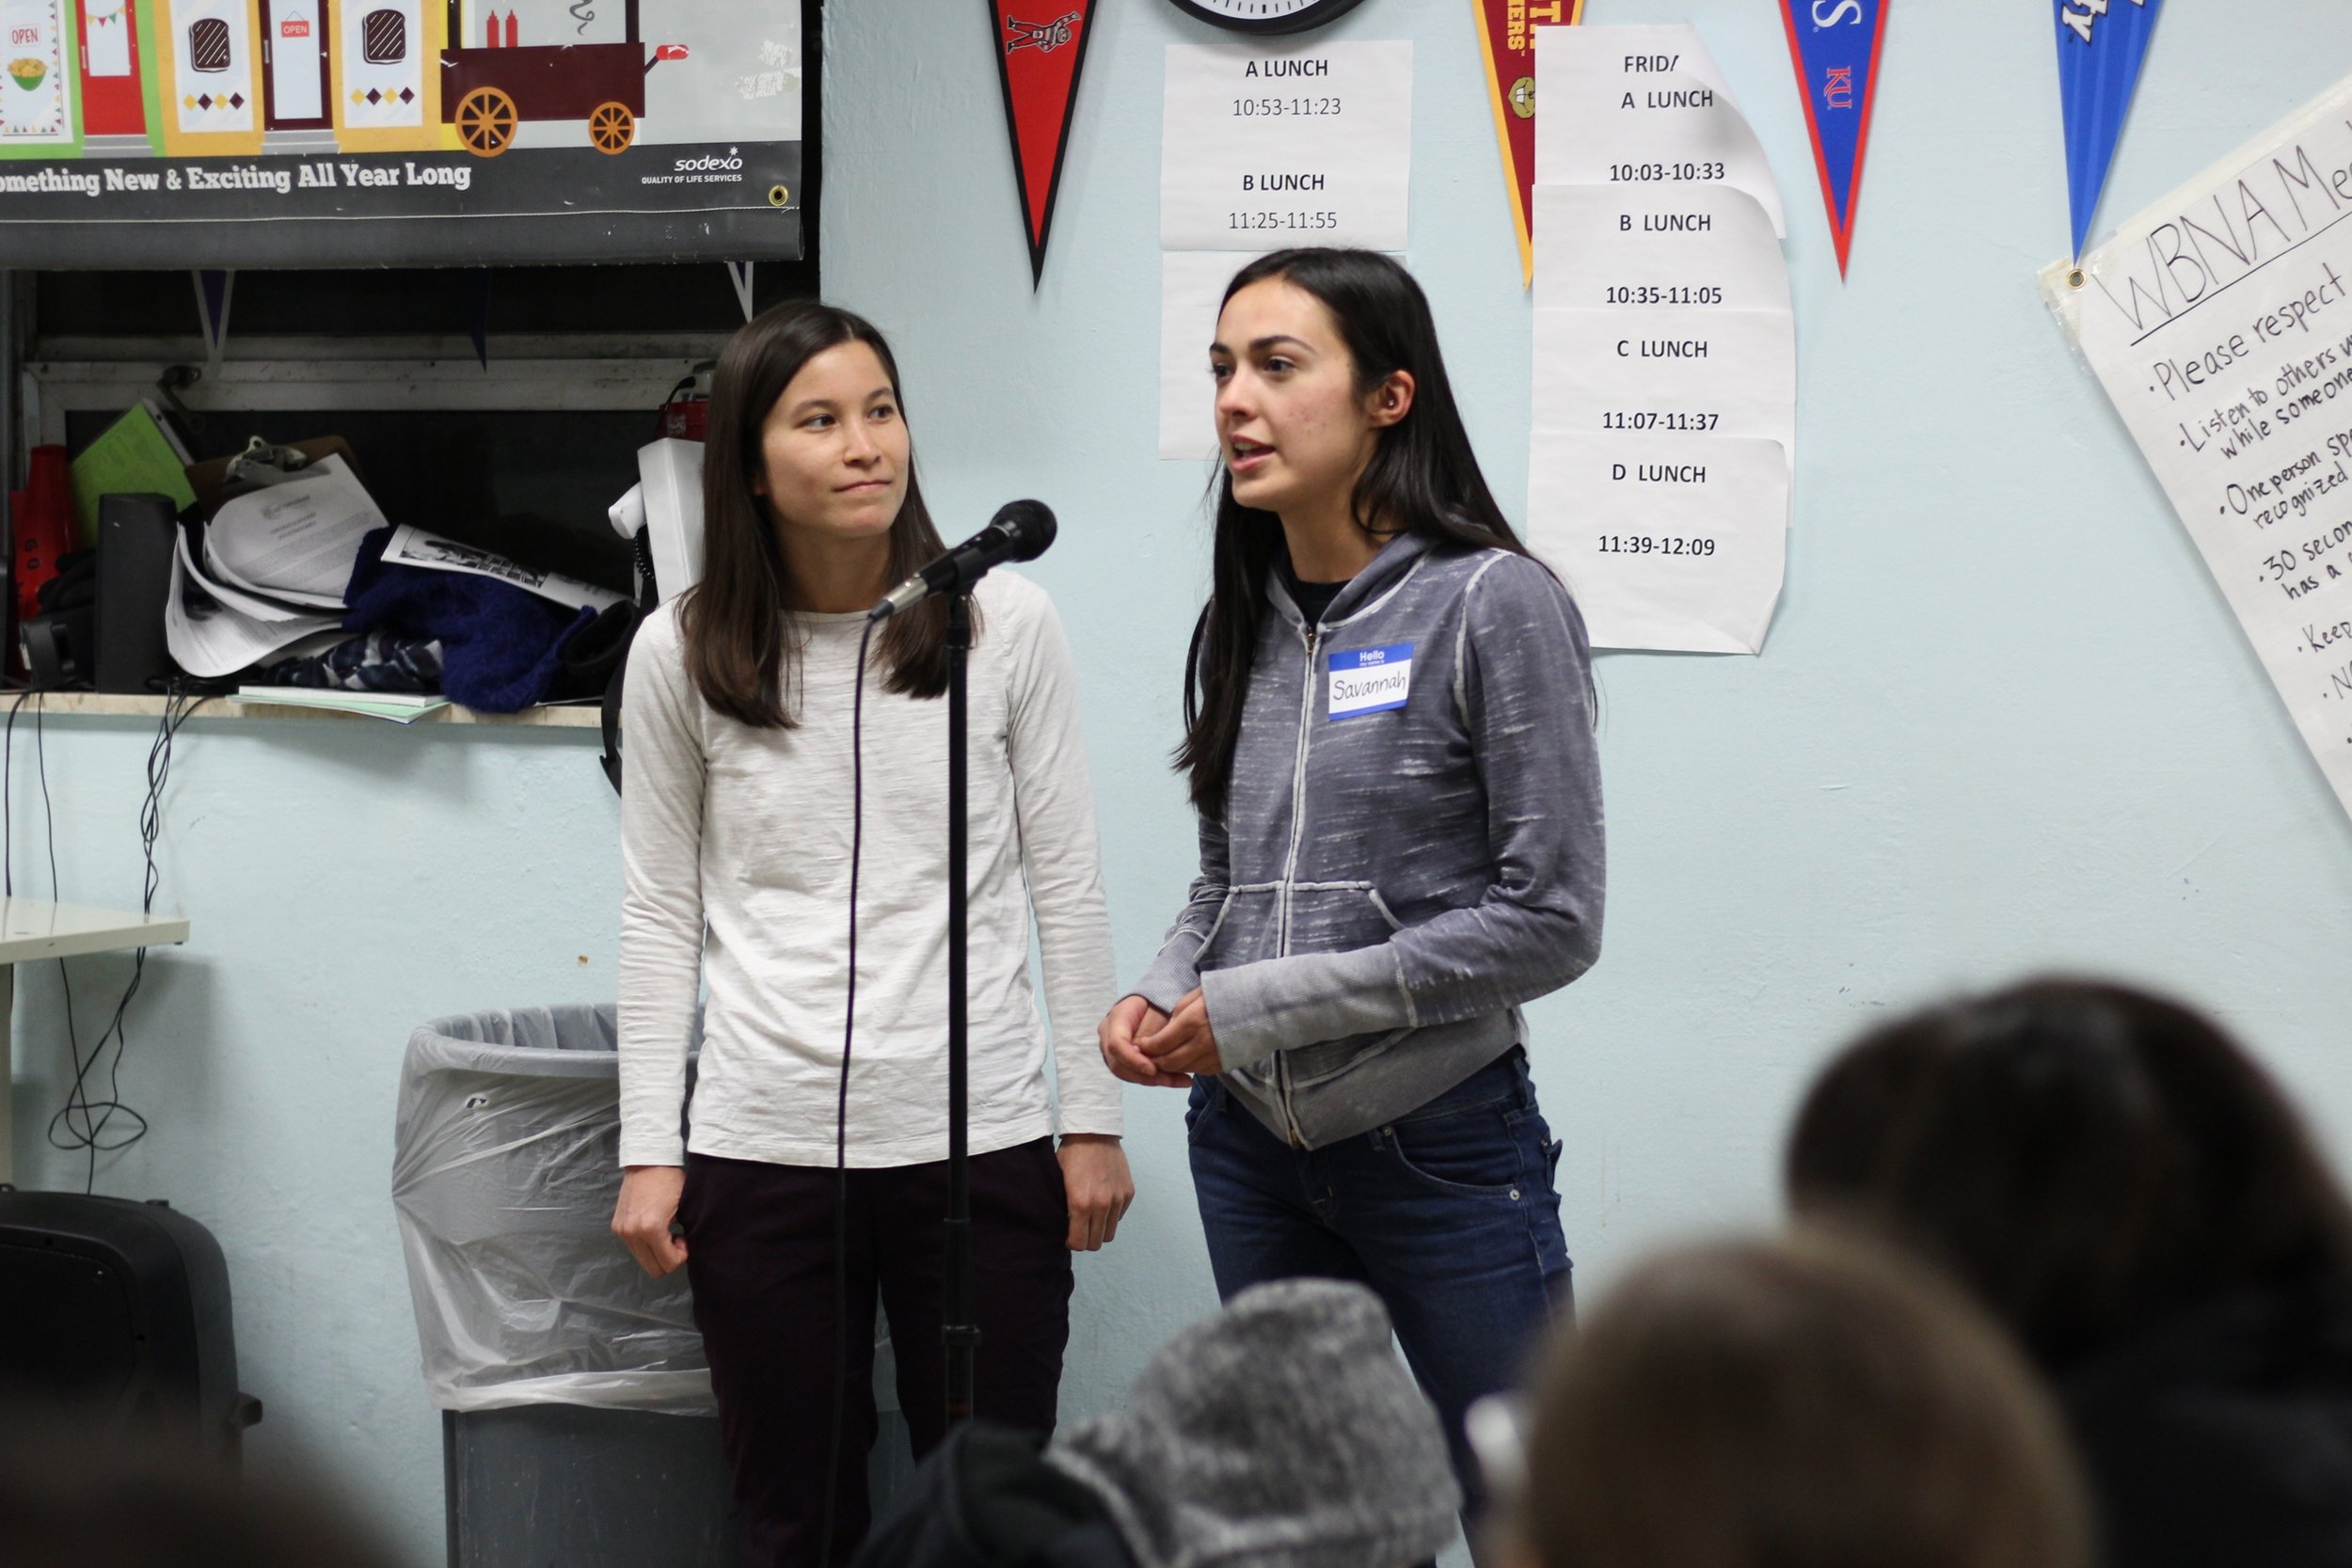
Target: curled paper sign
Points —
{"points": [[1662, 426], [1644, 106]]}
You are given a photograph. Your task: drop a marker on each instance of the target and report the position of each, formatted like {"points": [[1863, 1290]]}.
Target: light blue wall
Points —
{"points": [[2004, 720]]}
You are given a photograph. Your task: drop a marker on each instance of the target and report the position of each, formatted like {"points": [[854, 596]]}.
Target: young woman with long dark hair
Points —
{"points": [[736, 848], [1389, 739]]}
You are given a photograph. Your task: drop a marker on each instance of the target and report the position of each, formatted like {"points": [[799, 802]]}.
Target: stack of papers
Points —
{"points": [[268, 571], [400, 707], [413, 547]]}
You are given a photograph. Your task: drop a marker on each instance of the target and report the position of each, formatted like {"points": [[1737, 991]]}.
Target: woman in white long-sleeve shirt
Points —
{"points": [[736, 837]]}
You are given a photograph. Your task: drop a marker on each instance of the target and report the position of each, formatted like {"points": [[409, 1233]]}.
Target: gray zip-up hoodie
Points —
{"points": [[1403, 859]]}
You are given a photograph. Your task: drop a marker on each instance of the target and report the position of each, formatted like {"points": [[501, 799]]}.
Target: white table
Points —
{"points": [[34, 929]]}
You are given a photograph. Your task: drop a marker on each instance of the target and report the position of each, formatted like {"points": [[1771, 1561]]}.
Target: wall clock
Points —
{"points": [[1265, 16]]}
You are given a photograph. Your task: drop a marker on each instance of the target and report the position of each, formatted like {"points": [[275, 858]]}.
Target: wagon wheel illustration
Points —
{"points": [[485, 122], [611, 127]]}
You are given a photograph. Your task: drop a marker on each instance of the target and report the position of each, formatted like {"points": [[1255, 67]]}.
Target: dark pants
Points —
{"points": [[759, 1241], [1448, 1213]]}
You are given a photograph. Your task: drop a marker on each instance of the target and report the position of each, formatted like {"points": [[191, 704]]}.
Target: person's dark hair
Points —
{"points": [[2087, 1158], [1422, 478], [742, 650], [78, 1496], [1810, 1401]]}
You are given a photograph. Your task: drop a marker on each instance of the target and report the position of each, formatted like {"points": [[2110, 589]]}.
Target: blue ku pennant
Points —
{"points": [[1834, 46], [2101, 44]]}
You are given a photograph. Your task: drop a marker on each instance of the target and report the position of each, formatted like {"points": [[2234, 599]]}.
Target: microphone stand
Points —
{"points": [[1019, 531], [959, 1325]]}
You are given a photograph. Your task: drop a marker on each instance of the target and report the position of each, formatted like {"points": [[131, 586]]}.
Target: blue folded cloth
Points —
{"points": [[501, 645]]}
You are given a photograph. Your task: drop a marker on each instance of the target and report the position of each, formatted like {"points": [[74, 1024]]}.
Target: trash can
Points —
{"points": [[577, 1421]]}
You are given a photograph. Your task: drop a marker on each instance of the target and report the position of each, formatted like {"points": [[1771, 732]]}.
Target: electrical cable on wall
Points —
{"points": [[84, 1124]]}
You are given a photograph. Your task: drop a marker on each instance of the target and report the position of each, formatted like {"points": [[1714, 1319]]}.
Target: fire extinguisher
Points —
{"points": [[685, 411]]}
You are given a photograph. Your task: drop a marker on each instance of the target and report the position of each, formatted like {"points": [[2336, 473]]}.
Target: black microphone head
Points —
{"points": [[1029, 525]]}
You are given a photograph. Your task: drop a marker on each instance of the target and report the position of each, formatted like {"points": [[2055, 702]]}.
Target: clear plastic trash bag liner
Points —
{"points": [[505, 1172]]}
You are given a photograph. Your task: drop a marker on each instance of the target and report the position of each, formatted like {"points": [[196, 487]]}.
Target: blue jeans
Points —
{"points": [[1448, 1213]]}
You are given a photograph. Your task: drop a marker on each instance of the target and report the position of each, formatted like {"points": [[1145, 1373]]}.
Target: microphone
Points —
{"points": [[1019, 531]]}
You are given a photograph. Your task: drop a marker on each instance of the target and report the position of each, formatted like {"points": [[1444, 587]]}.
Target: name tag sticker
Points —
{"points": [[1371, 680]]}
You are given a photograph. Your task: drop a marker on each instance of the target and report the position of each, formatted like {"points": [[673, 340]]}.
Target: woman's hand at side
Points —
{"points": [[1183, 1043], [641, 1218], [1094, 1174], [1134, 1016]]}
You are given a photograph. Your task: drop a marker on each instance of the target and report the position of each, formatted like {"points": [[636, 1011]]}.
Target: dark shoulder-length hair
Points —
{"points": [[1422, 478], [2088, 1158], [741, 648]]}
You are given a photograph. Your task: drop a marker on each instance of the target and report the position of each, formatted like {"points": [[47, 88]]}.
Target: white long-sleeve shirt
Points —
{"points": [[735, 846]]}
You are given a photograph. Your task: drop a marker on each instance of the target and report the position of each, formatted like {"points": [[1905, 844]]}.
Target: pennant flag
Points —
{"points": [[740, 274], [1507, 29], [2101, 44], [1040, 46], [1834, 46], [213, 289], [476, 286]]}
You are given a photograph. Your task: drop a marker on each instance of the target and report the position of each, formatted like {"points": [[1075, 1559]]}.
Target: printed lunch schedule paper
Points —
{"points": [[1663, 417], [1643, 105], [1644, 248], [1668, 542], [1667, 372], [1192, 284], [1305, 143], [1263, 149], [2219, 321]]}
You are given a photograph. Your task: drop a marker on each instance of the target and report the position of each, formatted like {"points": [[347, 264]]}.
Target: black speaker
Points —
{"points": [[136, 535], [117, 1313], [56, 646]]}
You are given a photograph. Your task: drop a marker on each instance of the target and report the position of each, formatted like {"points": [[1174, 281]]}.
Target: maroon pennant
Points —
{"points": [[1040, 46]]}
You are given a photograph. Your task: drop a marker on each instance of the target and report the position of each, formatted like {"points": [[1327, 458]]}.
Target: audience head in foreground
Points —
{"points": [[1283, 1432], [2124, 1188], [1801, 1403], [73, 1496]]}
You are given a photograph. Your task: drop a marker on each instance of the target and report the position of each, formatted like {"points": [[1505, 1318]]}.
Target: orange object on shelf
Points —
{"points": [[44, 527]]}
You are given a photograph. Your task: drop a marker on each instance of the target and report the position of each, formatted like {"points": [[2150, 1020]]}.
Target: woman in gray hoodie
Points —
{"points": [[1389, 745]]}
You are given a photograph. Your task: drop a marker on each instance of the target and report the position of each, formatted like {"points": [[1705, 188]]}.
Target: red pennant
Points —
{"points": [[1040, 46], [1507, 28]]}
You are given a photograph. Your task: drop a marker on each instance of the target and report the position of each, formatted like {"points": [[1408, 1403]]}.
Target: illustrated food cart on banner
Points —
{"points": [[238, 77]]}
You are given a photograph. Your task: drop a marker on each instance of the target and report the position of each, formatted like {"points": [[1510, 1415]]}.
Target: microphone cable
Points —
{"points": [[841, 1111]]}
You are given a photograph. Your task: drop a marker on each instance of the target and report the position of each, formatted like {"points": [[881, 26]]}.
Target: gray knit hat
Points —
{"points": [[1282, 1433]]}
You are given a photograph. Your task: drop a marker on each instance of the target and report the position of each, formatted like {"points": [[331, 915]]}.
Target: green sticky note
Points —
{"points": [[131, 458]]}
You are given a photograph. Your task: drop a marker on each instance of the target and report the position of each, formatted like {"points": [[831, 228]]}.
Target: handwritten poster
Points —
{"points": [[2219, 322], [1662, 430]]}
